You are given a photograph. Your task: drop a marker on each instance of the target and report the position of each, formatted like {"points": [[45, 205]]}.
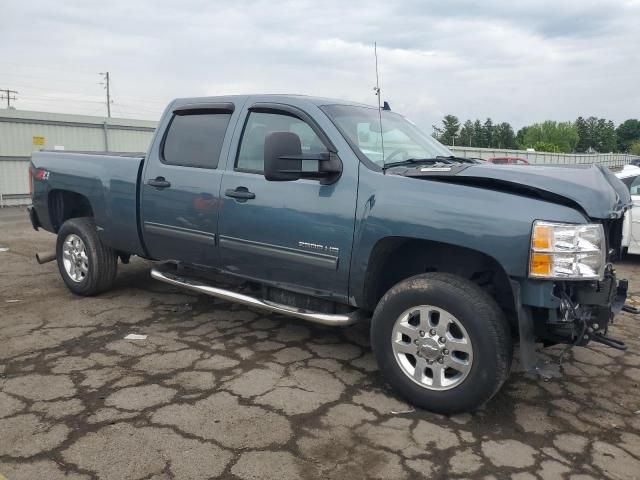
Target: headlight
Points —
{"points": [[566, 251]]}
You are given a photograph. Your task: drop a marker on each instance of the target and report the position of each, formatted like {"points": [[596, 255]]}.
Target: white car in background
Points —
{"points": [[630, 176]]}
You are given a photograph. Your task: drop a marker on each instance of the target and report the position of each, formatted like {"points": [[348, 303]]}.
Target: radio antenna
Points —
{"points": [[377, 90]]}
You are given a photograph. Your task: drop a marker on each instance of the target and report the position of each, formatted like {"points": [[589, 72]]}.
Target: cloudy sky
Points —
{"points": [[517, 61]]}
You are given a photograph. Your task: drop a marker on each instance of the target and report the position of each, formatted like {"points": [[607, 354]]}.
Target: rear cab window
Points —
{"points": [[194, 139]]}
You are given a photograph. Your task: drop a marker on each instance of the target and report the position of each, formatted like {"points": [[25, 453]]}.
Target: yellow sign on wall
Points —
{"points": [[38, 140]]}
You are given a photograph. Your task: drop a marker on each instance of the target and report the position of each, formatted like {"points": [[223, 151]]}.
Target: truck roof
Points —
{"points": [[318, 101]]}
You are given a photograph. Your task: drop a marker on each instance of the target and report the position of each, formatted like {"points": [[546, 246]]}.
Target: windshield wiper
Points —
{"points": [[440, 159]]}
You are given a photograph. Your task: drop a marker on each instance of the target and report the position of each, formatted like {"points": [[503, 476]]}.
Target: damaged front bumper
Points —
{"points": [[567, 312], [586, 310]]}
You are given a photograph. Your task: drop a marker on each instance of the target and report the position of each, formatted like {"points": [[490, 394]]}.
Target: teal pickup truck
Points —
{"points": [[336, 212]]}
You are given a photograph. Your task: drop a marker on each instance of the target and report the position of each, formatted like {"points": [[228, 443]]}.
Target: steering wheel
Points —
{"points": [[396, 152]]}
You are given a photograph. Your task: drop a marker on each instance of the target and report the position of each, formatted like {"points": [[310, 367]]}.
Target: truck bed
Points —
{"points": [[108, 180]]}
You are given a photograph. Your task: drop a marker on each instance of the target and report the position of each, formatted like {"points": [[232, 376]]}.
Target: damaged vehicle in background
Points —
{"points": [[630, 176], [332, 212]]}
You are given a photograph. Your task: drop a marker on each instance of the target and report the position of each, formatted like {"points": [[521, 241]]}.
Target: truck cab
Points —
{"points": [[204, 183]]}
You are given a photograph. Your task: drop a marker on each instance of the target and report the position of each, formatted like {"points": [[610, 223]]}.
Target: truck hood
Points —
{"points": [[592, 189]]}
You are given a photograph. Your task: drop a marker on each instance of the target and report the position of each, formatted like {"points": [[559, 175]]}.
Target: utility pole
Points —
{"points": [[107, 88], [6, 94]]}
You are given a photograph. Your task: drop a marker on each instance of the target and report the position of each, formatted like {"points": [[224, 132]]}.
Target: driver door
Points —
{"points": [[295, 235]]}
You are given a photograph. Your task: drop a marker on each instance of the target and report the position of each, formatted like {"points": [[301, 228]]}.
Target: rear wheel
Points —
{"points": [[86, 265], [441, 342]]}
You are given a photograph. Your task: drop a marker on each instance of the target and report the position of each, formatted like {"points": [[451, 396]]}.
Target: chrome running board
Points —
{"points": [[197, 286]]}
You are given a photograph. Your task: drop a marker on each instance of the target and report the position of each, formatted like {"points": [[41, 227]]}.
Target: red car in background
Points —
{"points": [[508, 161]]}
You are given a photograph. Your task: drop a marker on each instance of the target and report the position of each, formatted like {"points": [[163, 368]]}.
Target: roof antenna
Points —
{"points": [[376, 89]]}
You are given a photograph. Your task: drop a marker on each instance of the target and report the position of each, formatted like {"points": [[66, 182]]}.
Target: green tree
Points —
{"points": [[596, 133], [634, 148], [562, 135], [583, 134], [487, 130], [521, 139], [592, 133], [450, 129], [545, 147], [466, 134], [503, 136], [605, 136], [437, 133], [627, 133], [479, 139]]}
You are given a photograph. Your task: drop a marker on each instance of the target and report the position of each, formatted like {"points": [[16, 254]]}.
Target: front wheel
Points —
{"points": [[86, 265], [441, 342]]}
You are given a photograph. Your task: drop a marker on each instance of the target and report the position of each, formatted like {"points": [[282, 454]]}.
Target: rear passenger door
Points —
{"points": [[181, 184]]}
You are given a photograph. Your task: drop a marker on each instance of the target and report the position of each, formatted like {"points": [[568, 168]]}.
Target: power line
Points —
{"points": [[140, 108], [48, 89], [49, 85], [131, 107], [40, 95], [44, 98], [6, 94], [81, 96], [47, 68], [49, 79]]}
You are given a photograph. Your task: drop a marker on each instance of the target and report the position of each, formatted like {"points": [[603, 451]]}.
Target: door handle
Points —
{"points": [[242, 194], [158, 182]]}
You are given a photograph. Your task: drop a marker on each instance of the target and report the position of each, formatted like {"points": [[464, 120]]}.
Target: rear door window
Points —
{"points": [[195, 139]]}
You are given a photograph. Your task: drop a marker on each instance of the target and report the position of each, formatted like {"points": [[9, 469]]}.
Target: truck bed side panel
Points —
{"points": [[108, 182]]}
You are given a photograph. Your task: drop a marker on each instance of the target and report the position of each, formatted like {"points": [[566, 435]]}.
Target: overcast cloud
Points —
{"points": [[516, 61]]}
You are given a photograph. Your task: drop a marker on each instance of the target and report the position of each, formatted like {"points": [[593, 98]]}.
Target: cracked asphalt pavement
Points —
{"points": [[221, 391]]}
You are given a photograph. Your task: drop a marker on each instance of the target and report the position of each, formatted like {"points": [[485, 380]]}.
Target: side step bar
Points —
{"points": [[198, 286]]}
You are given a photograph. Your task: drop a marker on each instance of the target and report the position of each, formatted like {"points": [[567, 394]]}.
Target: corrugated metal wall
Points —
{"points": [[14, 181], [23, 132]]}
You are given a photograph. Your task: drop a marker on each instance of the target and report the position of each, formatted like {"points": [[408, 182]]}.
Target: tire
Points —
{"points": [[91, 273], [470, 316]]}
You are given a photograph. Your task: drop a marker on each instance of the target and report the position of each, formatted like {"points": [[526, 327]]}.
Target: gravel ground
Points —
{"points": [[218, 390]]}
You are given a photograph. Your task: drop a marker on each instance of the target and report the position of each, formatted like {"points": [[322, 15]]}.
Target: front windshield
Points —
{"points": [[402, 139]]}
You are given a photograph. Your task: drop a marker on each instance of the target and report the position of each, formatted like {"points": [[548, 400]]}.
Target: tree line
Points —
{"points": [[590, 134]]}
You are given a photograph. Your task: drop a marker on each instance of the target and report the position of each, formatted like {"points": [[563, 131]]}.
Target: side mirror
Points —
{"points": [[279, 147], [283, 159]]}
